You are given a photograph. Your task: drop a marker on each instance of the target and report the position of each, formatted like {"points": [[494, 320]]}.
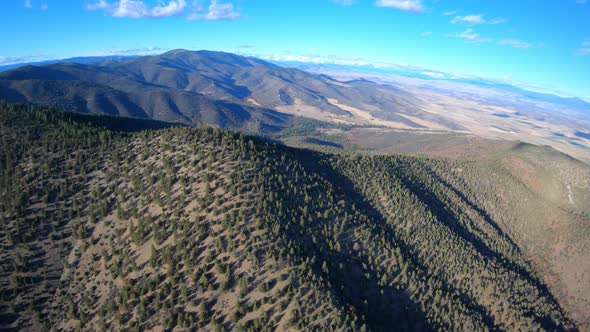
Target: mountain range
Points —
{"points": [[210, 191], [235, 92], [574, 103], [182, 86]]}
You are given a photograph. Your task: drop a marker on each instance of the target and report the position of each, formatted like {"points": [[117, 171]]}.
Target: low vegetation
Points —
{"points": [[110, 227]]}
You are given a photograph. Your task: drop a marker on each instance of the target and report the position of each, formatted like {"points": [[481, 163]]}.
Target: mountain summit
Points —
{"points": [[185, 86]]}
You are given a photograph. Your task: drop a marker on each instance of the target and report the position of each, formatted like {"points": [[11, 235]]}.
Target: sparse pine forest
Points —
{"points": [[115, 224]]}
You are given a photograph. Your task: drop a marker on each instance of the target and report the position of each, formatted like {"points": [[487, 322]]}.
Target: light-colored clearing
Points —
{"points": [[253, 101], [366, 117], [425, 123]]}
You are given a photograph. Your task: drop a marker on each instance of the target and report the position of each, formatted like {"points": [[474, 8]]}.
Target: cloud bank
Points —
{"points": [[215, 12], [472, 36], [344, 2], [585, 49], [137, 9], [30, 5], [7, 60], [407, 5], [474, 19]]}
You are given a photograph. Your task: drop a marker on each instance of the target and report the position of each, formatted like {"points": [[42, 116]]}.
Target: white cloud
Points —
{"points": [[474, 19], [450, 13], [585, 49], [497, 20], [433, 74], [216, 11], [131, 9], [101, 4], [7, 60], [344, 2], [135, 51], [468, 34], [171, 9], [29, 5], [319, 59], [343, 61], [407, 5], [314, 58], [426, 33], [471, 19], [475, 37], [139, 9], [514, 43]]}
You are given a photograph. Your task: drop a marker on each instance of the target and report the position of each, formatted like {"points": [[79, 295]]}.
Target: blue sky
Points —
{"points": [[539, 43]]}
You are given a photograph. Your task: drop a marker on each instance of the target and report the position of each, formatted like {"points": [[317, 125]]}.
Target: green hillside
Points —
{"points": [[206, 229]]}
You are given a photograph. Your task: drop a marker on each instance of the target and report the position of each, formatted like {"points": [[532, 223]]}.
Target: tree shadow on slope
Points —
{"points": [[440, 210], [383, 308]]}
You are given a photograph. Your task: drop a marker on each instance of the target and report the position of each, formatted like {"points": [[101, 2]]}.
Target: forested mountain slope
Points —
{"points": [[492, 209], [185, 228]]}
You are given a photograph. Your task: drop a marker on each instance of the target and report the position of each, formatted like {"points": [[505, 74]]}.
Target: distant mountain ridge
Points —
{"points": [[248, 83], [120, 88], [425, 74], [574, 102], [230, 91], [80, 59]]}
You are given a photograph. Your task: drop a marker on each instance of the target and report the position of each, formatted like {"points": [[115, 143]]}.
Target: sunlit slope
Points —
{"points": [[207, 229]]}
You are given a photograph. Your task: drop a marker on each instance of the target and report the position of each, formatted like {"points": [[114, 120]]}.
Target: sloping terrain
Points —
{"points": [[179, 85], [492, 204], [240, 93], [484, 108], [90, 89], [186, 228]]}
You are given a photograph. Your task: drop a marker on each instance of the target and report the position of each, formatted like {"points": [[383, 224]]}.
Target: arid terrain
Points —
{"points": [[209, 191]]}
